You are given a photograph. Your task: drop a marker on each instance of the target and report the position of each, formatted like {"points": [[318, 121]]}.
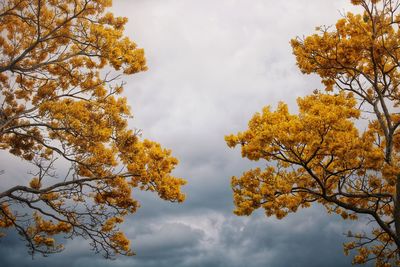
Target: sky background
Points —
{"points": [[212, 65]]}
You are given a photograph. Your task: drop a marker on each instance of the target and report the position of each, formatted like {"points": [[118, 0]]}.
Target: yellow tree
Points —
{"points": [[319, 155], [60, 105]]}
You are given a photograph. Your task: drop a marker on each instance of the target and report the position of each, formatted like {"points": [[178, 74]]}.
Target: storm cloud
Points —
{"points": [[212, 64]]}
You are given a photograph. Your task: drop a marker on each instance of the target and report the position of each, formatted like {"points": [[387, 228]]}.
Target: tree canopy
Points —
{"points": [[60, 105], [319, 154]]}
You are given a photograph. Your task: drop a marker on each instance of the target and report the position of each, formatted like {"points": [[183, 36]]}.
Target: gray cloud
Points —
{"points": [[212, 64]]}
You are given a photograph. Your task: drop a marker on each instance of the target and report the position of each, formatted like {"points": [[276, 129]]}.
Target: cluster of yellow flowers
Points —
{"points": [[60, 62], [319, 155]]}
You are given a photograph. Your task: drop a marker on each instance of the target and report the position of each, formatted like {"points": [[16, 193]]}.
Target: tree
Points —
{"points": [[319, 155], [61, 110]]}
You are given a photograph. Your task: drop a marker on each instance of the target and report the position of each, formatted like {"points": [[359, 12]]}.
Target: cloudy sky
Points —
{"points": [[212, 64]]}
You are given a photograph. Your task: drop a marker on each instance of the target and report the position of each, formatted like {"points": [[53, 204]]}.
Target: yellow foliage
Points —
{"points": [[35, 183], [320, 155], [6, 217], [61, 100]]}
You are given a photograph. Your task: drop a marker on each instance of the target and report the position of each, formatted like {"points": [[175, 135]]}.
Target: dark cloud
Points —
{"points": [[307, 238], [212, 64]]}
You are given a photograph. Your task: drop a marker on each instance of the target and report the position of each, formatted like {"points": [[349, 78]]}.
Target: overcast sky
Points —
{"points": [[212, 64]]}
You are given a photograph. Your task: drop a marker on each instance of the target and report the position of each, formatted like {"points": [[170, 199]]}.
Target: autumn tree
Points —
{"points": [[61, 110], [319, 154]]}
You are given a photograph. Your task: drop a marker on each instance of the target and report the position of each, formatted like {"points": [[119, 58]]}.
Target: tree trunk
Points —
{"points": [[397, 213]]}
